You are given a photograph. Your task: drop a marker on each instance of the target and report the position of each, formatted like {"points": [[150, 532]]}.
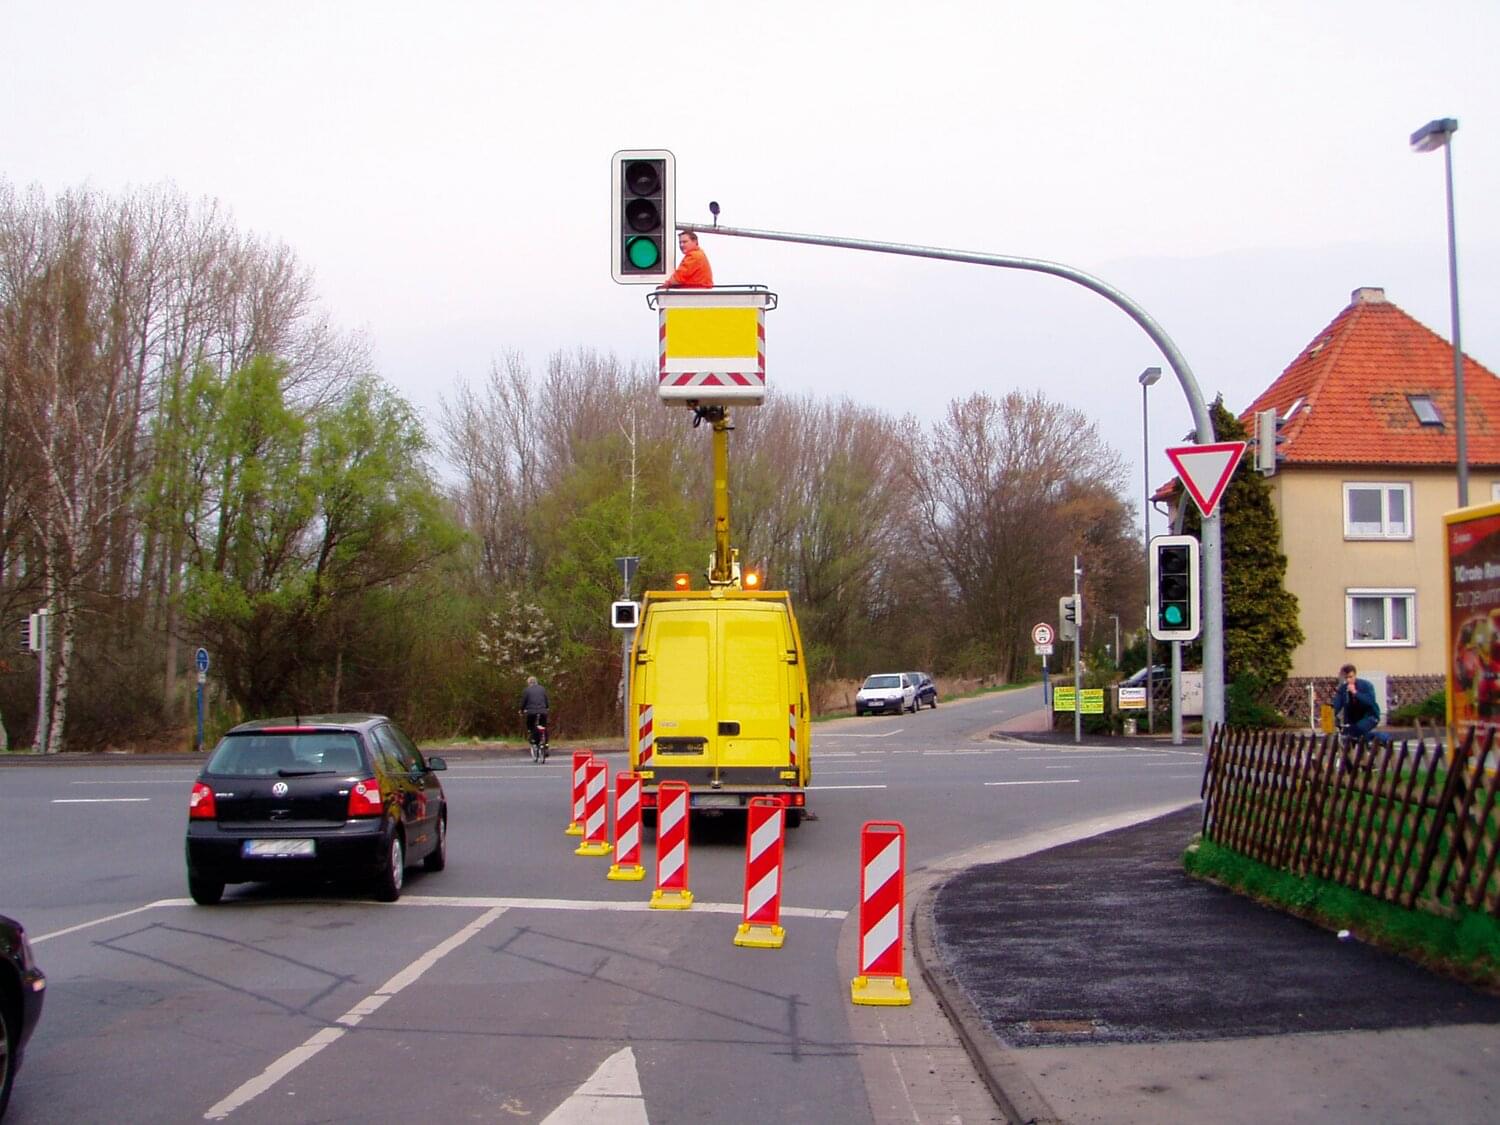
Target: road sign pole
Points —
{"points": [[44, 669], [1046, 692]]}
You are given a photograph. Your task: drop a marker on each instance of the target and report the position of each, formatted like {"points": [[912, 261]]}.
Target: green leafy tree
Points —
{"points": [[1261, 626], [315, 513]]}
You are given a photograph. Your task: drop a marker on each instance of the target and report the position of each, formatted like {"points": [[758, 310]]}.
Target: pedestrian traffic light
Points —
{"points": [[1067, 619], [1174, 588], [643, 216]]}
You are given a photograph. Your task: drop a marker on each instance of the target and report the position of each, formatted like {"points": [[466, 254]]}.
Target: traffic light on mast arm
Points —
{"points": [[1174, 588], [643, 219]]}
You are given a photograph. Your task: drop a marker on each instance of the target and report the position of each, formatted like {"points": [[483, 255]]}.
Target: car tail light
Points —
{"points": [[201, 803], [364, 798]]}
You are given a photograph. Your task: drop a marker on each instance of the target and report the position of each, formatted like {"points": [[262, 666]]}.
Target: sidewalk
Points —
{"points": [[1096, 982]]}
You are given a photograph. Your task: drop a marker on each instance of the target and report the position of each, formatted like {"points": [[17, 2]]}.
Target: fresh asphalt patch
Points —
{"points": [[1109, 940]]}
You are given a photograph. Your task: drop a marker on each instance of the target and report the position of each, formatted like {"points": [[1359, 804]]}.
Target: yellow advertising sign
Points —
{"points": [[1093, 701], [1062, 699]]}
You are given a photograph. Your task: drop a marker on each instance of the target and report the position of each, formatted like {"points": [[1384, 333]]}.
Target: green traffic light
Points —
{"points": [[1173, 616], [643, 253]]}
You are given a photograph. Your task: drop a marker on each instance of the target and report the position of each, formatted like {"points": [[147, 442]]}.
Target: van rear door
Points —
{"points": [[751, 743]]}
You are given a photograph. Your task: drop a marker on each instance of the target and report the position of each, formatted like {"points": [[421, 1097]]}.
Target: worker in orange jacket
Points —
{"points": [[693, 272]]}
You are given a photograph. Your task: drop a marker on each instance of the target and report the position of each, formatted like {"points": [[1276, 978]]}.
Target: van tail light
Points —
{"points": [[364, 798], [201, 803]]}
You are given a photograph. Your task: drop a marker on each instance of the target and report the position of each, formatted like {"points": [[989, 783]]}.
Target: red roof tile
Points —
{"points": [[1353, 380]]}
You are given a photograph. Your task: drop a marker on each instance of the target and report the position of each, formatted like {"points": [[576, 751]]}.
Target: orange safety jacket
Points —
{"points": [[693, 272]]}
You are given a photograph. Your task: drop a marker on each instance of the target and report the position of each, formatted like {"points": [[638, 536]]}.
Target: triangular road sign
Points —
{"points": [[1205, 470]]}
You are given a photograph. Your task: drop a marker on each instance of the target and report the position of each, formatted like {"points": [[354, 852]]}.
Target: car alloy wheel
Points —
{"points": [[393, 873], [437, 859]]}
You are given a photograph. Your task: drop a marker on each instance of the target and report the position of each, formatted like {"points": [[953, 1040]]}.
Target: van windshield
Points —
{"points": [[882, 681]]}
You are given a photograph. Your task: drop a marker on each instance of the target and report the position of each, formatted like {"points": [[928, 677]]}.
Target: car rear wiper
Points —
{"points": [[284, 772]]}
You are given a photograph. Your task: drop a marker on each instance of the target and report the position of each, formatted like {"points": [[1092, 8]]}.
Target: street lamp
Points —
{"points": [[1434, 135], [1147, 378]]}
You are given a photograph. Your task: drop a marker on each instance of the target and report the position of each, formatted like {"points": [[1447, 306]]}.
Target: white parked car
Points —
{"points": [[887, 693]]}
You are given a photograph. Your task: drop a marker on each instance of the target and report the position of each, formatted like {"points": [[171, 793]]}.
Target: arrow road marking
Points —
{"points": [[612, 1093]]}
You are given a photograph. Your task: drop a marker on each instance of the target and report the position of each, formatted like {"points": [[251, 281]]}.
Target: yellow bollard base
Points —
{"points": [[594, 847], [574, 829], [760, 935], [888, 991], [671, 900], [632, 872]]}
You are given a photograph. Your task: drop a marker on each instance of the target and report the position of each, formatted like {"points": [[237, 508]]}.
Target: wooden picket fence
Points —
{"points": [[1413, 825]]}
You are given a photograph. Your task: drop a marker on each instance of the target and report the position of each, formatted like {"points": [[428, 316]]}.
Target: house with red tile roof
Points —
{"points": [[1365, 470]]}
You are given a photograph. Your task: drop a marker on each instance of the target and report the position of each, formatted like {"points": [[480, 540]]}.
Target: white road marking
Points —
{"points": [[148, 781], [1051, 781], [471, 902], [99, 800], [328, 1035], [826, 788], [845, 734], [612, 1093], [37, 939]]}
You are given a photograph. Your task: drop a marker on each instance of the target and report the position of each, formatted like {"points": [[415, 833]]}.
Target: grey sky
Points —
{"points": [[1238, 168]]}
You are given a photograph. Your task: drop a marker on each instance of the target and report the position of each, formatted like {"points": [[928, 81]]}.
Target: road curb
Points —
{"points": [[1018, 1099]]}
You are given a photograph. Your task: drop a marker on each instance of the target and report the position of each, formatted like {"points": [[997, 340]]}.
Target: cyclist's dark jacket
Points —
{"points": [[534, 700]]}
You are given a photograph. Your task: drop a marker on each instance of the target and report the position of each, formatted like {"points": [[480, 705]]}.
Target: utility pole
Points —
{"points": [[1213, 579], [1077, 656], [40, 629]]}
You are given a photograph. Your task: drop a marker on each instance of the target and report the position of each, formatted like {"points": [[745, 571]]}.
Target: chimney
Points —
{"points": [[1367, 295]]}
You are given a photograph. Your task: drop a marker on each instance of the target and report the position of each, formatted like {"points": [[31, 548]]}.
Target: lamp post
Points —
{"points": [[1147, 378], [1433, 135]]}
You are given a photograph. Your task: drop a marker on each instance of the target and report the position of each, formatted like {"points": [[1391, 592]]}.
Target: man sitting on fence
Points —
{"points": [[1354, 703]]}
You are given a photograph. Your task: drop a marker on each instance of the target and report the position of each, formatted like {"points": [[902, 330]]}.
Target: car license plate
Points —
{"points": [[278, 849], [715, 801]]}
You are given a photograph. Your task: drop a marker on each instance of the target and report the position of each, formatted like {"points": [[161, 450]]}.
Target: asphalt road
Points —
{"points": [[519, 983]]}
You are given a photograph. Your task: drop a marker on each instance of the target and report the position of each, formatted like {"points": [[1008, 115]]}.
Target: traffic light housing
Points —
{"points": [[1175, 609], [643, 222], [1067, 619]]}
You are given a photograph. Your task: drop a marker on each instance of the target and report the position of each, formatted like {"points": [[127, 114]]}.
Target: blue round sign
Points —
{"points": [[202, 660]]}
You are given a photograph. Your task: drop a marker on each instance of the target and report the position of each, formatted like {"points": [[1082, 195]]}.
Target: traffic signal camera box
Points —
{"points": [[713, 345]]}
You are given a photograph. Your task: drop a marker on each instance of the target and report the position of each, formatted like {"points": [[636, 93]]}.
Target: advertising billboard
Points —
{"points": [[1472, 542]]}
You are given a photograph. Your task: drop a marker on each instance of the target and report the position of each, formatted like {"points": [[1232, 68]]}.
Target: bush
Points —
{"points": [[1245, 706], [1434, 708]]}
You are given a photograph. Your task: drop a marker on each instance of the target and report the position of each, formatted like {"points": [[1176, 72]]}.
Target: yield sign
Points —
{"points": [[1206, 469]]}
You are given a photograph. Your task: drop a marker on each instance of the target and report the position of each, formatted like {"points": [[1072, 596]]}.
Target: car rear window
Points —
{"points": [[882, 681], [286, 753]]}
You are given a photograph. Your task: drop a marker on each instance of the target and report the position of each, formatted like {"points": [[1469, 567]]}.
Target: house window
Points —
{"points": [[1495, 490], [1383, 618], [1425, 409], [1377, 511]]}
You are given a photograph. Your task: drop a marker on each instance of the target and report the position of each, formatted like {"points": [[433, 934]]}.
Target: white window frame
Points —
{"points": [[1388, 594], [1494, 490], [1386, 488]]}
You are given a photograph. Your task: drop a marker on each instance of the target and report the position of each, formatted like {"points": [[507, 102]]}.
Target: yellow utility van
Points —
{"points": [[719, 699]]}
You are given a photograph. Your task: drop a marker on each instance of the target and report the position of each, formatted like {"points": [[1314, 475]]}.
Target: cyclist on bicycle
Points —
{"points": [[534, 706]]}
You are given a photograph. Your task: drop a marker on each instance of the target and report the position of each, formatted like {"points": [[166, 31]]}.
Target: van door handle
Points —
{"points": [[729, 728]]}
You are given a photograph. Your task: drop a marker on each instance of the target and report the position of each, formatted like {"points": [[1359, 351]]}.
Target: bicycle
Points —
{"points": [[537, 737]]}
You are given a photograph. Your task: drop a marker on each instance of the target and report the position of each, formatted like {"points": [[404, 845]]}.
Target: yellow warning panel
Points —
{"points": [[713, 334]]}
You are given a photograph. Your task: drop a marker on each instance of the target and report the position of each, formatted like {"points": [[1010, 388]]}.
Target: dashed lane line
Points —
{"points": [[1048, 781], [327, 1036], [99, 800]]}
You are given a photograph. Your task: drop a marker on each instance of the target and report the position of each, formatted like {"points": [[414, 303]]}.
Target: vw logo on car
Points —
{"points": [[279, 789]]}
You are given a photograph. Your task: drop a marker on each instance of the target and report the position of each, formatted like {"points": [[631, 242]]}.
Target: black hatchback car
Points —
{"points": [[22, 987], [345, 797]]}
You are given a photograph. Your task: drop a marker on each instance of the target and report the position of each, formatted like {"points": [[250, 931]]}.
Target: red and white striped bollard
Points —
{"points": [[627, 864], [765, 842], [672, 848], [595, 809], [580, 775], [882, 911]]}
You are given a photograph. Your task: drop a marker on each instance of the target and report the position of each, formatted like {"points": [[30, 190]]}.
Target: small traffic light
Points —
{"points": [[1174, 588], [624, 615], [642, 216], [26, 634], [1067, 619]]}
